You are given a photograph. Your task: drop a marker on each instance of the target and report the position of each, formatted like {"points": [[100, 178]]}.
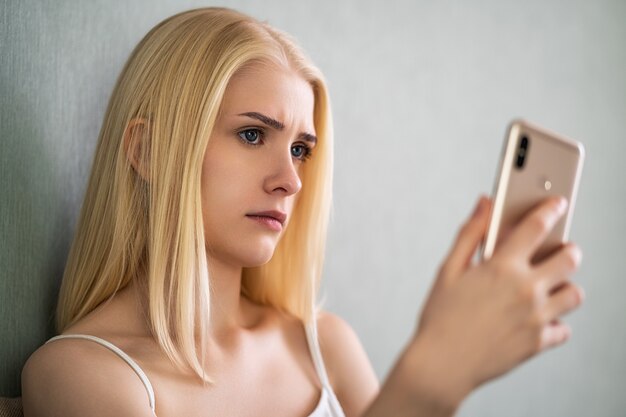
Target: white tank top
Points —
{"points": [[328, 405]]}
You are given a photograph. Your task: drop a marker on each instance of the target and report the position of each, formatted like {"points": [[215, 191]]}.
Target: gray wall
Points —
{"points": [[422, 92]]}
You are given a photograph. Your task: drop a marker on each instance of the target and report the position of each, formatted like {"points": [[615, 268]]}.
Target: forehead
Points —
{"points": [[273, 90]]}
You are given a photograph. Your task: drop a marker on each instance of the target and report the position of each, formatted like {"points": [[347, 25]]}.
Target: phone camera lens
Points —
{"points": [[522, 150], [524, 142]]}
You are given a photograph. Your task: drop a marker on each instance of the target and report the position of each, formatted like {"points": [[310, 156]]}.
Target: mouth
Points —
{"points": [[272, 219]]}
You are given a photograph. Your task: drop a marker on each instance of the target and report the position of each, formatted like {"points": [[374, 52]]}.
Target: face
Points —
{"points": [[252, 166]]}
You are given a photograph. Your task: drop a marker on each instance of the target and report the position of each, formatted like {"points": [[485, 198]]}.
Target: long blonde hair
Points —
{"points": [[151, 230]]}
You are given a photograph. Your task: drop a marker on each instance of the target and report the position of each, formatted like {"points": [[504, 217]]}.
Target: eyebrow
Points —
{"points": [[273, 123]]}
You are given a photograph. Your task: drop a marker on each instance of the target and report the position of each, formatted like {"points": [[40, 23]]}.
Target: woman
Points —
{"points": [[191, 282]]}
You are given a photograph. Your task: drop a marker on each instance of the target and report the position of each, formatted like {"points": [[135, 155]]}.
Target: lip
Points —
{"points": [[269, 218]]}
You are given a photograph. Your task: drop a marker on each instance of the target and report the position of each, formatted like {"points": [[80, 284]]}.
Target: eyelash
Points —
{"points": [[261, 133]]}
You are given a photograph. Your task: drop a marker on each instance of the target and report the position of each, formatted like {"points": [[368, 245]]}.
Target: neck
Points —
{"points": [[228, 307], [230, 311]]}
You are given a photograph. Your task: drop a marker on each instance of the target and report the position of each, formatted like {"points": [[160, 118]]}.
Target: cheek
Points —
{"points": [[228, 183], [216, 191]]}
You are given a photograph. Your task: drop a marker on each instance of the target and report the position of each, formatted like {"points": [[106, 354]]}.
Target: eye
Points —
{"points": [[251, 136], [301, 151]]}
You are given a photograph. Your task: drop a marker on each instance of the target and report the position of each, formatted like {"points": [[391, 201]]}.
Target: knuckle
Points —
{"points": [[574, 298], [581, 295]]}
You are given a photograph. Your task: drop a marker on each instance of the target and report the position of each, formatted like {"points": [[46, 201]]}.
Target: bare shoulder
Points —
{"points": [[342, 349], [72, 377], [349, 369]]}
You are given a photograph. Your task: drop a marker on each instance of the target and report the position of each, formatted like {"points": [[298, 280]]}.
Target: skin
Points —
{"points": [[479, 322]]}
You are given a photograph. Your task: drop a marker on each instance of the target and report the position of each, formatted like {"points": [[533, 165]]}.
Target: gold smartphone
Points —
{"points": [[535, 164]]}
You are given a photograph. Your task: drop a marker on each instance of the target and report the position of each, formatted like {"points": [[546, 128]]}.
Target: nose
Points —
{"points": [[283, 177]]}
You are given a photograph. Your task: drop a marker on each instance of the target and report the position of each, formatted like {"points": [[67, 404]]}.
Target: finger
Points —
{"points": [[468, 239], [526, 238], [554, 334], [567, 298], [555, 270]]}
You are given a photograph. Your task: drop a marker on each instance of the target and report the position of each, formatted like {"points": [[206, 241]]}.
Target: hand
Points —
{"points": [[482, 320]]}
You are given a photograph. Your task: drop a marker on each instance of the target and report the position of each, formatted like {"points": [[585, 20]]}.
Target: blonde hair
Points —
{"points": [[131, 228]]}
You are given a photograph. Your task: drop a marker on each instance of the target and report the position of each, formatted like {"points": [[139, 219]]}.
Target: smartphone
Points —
{"points": [[535, 164]]}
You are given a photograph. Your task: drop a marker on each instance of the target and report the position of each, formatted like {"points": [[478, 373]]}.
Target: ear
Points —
{"points": [[136, 142]]}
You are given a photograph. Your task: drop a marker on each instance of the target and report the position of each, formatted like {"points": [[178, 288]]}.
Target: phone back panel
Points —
{"points": [[552, 167]]}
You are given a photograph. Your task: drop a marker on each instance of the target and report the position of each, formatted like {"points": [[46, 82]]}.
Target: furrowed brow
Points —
{"points": [[265, 119], [308, 137], [278, 125]]}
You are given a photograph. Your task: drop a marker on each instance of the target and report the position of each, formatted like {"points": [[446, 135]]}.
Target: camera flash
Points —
{"points": [[547, 185]]}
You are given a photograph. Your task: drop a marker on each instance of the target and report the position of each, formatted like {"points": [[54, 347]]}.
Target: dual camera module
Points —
{"points": [[522, 151]]}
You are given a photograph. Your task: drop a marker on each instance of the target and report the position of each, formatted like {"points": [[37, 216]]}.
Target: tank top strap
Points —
{"points": [[119, 352], [333, 408], [314, 348]]}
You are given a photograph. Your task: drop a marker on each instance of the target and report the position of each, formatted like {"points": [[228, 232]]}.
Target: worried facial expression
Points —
{"points": [[251, 170]]}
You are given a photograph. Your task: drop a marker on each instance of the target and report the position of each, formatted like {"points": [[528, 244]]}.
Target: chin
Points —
{"points": [[258, 255], [257, 261]]}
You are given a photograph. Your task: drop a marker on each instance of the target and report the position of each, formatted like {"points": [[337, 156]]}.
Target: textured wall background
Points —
{"points": [[422, 92]]}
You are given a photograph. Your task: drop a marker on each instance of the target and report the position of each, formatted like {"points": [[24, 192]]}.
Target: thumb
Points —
{"points": [[468, 239]]}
